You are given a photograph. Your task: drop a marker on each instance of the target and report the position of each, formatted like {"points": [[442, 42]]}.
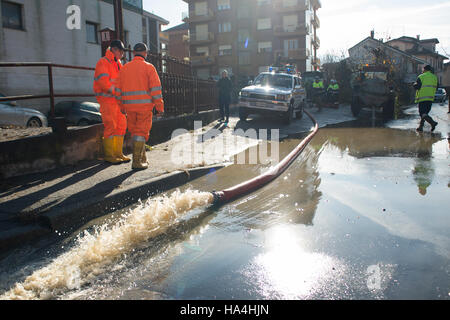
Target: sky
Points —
{"points": [[346, 22]]}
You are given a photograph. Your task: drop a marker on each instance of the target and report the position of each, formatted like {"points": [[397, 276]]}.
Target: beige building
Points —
{"points": [[365, 52], [245, 37], [446, 76], [422, 49]]}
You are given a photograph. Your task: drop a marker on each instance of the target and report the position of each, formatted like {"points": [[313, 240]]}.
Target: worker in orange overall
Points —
{"points": [[115, 123], [141, 92]]}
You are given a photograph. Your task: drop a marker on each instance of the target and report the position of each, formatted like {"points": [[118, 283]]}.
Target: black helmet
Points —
{"points": [[117, 44], [140, 47]]}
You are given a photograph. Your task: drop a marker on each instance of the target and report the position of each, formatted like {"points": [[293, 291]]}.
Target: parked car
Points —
{"points": [[12, 114], [273, 93], [79, 113], [440, 95]]}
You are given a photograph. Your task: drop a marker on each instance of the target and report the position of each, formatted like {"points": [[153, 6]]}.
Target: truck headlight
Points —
{"points": [[244, 94]]}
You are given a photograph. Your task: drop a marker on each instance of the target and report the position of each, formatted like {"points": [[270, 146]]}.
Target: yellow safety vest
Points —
{"points": [[428, 89], [333, 87], [318, 85]]}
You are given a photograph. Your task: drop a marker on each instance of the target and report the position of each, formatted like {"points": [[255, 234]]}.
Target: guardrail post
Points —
{"points": [[51, 92], [58, 125]]}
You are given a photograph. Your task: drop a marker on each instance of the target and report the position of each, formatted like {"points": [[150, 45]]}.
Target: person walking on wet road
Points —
{"points": [[140, 93], [225, 88], [426, 86]]}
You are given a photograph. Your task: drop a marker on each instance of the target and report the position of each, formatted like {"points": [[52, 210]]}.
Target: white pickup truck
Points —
{"points": [[272, 93]]}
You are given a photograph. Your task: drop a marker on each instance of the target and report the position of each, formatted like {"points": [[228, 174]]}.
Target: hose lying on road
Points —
{"points": [[221, 197]]}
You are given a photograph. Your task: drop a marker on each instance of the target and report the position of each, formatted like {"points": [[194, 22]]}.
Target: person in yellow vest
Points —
{"points": [[426, 86], [333, 90], [318, 90], [318, 84], [333, 86]]}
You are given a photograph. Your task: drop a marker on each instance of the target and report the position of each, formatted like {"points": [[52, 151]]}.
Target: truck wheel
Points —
{"points": [[289, 116], [388, 110], [299, 114], [243, 114]]}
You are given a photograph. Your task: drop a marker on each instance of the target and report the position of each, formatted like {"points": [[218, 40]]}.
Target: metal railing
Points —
{"points": [[183, 93], [51, 93]]}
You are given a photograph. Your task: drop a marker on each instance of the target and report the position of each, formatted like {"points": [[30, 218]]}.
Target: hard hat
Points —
{"points": [[140, 47], [117, 44]]}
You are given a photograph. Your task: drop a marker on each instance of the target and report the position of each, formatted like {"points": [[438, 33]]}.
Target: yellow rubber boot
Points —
{"points": [[144, 157], [108, 149], [138, 150], [118, 149]]}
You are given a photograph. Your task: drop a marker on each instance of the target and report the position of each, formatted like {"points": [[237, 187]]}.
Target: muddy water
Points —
{"points": [[361, 214]]}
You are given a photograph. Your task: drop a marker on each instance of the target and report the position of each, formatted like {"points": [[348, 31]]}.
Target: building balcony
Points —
{"points": [[316, 21], [281, 6], [202, 60], [316, 42], [201, 38], [293, 54], [316, 4], [193, 18], [281, 31], [185, 16]]}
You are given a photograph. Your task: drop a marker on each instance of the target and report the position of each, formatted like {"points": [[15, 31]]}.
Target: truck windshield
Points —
{"points": [[376, 75], [274, 80]]}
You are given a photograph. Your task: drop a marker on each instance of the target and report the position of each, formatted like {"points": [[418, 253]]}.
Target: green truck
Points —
{"points": [[373, 92]]}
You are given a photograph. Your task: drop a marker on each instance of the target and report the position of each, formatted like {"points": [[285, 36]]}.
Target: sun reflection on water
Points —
{"points": [[287, 270]]}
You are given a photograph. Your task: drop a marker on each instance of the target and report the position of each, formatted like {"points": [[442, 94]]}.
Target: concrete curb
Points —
{"points": [[72, 217]]}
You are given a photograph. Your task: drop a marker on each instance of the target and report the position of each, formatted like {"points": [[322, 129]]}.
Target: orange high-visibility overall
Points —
{"points": [[105, 78], [140, 91]]}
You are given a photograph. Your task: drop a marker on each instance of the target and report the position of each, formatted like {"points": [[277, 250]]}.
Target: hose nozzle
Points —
{"points": [[218, 197]]}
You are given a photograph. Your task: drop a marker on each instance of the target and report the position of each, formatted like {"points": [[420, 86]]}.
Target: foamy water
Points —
{"points": [[94, 251]]}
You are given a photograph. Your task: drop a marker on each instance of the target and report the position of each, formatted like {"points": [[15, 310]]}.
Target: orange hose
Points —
{"points": [[221, 197]]}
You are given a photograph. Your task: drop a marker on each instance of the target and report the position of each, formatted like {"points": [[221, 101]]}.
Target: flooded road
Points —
{"points": [[361, 214]]}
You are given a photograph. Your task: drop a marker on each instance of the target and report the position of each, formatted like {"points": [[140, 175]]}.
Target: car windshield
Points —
{"points": [[90, 107], [274, 80]]}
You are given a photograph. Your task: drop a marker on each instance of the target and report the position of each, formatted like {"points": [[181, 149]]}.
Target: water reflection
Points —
{"points": [[378, 142], [286, 270], [424, 168]]}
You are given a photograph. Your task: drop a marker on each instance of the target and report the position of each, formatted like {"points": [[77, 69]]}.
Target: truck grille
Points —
{"points": [[261, 96]]}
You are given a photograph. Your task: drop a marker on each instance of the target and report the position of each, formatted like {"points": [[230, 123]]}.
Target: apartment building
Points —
{"points": [[423, 49], [37, 31], [152, 34], [178, 41], [245, 37], [407, 66]]}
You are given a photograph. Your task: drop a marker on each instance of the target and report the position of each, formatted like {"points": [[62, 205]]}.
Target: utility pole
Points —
{"points": [[118, 19]]}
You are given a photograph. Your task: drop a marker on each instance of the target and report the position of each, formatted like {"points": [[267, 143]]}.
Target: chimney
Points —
{"points": [[418, 37], [372, 34]]}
